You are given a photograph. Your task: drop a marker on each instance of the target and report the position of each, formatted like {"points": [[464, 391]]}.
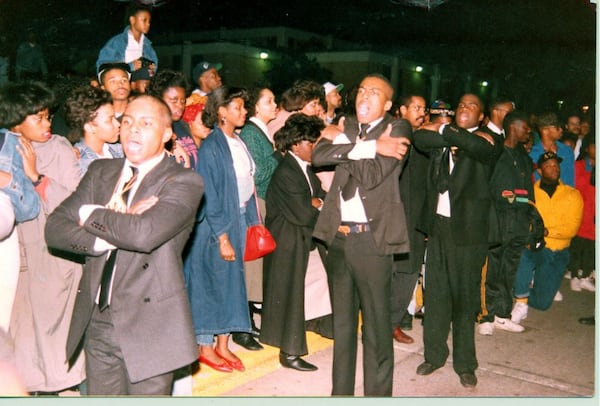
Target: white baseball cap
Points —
{"points": [[330, 86]]}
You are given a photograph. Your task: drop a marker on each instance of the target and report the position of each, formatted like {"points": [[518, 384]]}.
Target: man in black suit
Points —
{"points": [[363, 224], [407, 267], [132, 314], [457, 219]]}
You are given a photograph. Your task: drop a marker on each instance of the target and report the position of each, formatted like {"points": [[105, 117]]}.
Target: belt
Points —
{"points": [[353, 228]]}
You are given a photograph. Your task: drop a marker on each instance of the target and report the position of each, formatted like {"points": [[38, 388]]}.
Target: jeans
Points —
{"points": [[546, 269]]}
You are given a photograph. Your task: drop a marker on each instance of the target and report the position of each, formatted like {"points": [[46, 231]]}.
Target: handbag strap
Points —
{"points": [[260, 221]]}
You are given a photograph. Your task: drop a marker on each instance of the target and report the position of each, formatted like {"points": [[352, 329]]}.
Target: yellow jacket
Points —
{"points": [[562, 214]]}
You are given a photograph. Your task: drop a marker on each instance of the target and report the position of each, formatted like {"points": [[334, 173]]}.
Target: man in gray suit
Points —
{"points": [[132, 315], [363, 224]]}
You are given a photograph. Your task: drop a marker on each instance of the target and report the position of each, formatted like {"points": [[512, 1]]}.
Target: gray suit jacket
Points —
{"points": [[378, 187], [149, 304]]}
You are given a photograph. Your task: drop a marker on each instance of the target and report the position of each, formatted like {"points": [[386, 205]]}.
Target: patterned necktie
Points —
{"points": [[109, 266], [349, 189]]}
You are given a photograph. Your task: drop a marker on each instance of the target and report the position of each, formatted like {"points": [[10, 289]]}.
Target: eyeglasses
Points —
{"points": [[417, 109]]}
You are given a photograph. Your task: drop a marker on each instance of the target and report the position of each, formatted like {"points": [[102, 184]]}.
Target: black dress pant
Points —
{"points": [[403, 286], [361, 281], [105, 367], [452, 297]]}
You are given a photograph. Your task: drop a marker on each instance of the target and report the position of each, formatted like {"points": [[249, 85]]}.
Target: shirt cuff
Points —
{"points": [[363, 150]]}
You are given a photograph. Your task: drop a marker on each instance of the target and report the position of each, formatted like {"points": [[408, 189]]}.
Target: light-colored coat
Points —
{"points": [[47, 284]]}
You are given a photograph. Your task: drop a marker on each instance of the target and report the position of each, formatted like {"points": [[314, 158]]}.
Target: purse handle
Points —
{"points": [[260, 220]]}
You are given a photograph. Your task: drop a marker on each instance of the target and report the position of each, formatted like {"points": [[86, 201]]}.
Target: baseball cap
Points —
{"points": [[546, 156], [330, 86], [440, 107], [113, 65], [202, 67]]}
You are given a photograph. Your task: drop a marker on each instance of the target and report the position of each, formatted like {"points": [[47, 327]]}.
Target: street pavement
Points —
{"points": [[555, 357]]}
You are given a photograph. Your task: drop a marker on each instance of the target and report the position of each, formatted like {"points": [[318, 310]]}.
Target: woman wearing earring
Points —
{"points": [[214, 264]]}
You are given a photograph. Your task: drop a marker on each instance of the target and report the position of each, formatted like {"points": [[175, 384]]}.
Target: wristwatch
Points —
{"points": [[39, 180]]}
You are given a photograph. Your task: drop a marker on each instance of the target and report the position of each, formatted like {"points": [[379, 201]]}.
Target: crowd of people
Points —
{"points": [[126, 202]]}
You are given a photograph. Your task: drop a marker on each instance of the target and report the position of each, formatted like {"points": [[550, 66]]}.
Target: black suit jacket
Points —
{"points": [[149, 305], [378, 187], [470, 200]]}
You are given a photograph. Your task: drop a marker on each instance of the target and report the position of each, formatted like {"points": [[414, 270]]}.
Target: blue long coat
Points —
{"points": [[216, 287]]}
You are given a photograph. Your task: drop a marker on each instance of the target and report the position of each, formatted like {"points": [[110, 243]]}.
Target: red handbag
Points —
{"points": [[259, 241]]}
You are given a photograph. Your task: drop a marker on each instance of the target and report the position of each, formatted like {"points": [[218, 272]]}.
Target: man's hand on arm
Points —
{"points": [[393, 147]]}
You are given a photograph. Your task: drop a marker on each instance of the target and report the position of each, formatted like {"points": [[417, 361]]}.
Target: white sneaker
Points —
{"points": [[519, 312], [587, 284], [558, 297], [575, 285], [486, 329], [508, 325]]}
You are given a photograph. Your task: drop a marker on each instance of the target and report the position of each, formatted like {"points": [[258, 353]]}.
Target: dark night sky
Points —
{"points": [[547, 44]]}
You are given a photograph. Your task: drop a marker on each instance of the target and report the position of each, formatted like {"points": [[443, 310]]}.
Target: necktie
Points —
{"points": [[349, 189], [442, 170], [363, 131], [109, 266]]}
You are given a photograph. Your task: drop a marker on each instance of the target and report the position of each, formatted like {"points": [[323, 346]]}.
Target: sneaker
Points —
{"points": [[508, 325], [486, 328], [519, 312], [575, 285], [587, 284], [558, 297]]}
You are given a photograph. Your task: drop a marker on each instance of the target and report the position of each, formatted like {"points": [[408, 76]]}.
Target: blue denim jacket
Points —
{"points": [[114, 51], [24, 198], [87, 156]]}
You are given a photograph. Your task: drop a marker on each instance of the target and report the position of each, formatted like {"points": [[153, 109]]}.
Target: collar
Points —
{"points": [[130, 37], [260, 124], [495, 128], [146, 166], [303, 164], [372, 124]]}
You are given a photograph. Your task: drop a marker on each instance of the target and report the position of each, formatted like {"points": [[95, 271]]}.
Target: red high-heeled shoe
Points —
{"points": [[237, 365], [222, 367]]}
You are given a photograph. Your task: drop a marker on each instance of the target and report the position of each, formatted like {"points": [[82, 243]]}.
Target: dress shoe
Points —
{"points": [[221, 367], [468, 380], [588, 321], [426, 368], [247, 341], [295, 362], [406, 322], [40, 393], [255, 307], [237, 364], [401, 337]]}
